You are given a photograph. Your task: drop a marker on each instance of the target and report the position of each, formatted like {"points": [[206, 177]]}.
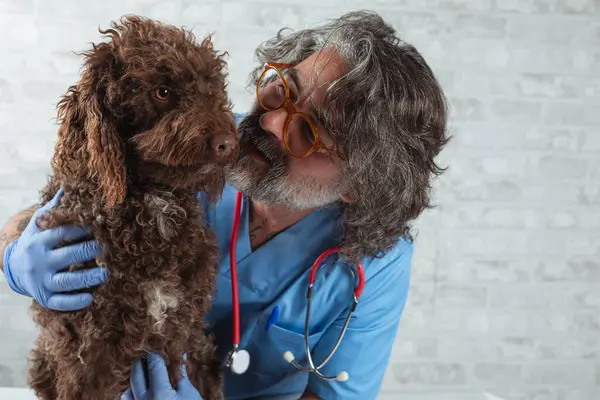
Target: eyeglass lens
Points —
{"points": [[299, 135]]}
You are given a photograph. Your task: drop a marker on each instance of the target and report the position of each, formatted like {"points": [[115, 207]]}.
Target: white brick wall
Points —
{"points": [[506, 286]]}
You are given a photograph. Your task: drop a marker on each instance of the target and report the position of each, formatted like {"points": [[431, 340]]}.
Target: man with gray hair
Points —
{"points": [[337, 152]]}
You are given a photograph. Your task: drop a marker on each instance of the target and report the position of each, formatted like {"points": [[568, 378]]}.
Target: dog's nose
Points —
{"points": [[222, 144]]}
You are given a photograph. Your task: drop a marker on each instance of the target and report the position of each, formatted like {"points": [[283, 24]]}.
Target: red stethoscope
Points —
{"points": [[238, 360]]}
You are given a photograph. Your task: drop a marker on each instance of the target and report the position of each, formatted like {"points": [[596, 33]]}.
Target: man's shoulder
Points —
{"points": [[396, 261]]}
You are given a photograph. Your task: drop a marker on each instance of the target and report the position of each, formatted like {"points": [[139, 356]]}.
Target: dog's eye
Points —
{"points": [[162, 94]]}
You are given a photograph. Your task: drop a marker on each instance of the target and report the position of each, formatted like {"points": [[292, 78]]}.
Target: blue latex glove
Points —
{"points": [[31, 264], [158, 386]]}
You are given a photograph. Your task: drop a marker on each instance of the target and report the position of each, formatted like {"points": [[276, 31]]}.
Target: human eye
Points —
{"points": [[306, 130], [291, 87], [280, 89], [270, 76], [273, 79]]}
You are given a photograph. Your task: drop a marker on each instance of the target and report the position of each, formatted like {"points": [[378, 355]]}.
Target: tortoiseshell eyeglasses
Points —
{"points": [[273, 92]]}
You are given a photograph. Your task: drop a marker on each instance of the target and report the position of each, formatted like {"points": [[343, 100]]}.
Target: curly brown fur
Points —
{"points": [[130, 159]]}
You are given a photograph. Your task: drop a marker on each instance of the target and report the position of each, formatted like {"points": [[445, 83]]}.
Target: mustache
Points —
{"points": [[249, 130]]}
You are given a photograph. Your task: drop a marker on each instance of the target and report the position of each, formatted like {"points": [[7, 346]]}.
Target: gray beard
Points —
{"points": [[276, 188]]}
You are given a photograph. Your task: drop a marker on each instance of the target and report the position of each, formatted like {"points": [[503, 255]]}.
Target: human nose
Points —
{"points": [[274, 122]]}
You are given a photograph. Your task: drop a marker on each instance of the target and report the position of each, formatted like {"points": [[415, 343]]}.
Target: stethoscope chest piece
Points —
{"points": [[238, 361]]}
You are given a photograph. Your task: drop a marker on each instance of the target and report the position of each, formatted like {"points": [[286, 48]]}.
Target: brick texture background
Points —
{"points": [[505, 294]]}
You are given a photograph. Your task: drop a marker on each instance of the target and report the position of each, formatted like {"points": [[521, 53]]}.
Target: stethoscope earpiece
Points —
{"points": [[289, 356], [343, 376]]}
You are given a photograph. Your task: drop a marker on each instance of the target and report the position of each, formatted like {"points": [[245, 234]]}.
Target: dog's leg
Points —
{"points": [[204, 369], [98, 372], [42, 373]]}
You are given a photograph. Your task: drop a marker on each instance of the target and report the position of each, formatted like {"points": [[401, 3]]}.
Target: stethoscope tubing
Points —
{"points": [[233, 270], [316, 369]]}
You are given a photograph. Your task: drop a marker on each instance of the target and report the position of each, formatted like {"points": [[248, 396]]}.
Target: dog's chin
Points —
{"points": [[206, 177]]}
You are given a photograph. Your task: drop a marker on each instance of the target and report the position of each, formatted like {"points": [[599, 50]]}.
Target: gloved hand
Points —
{"points": [[31, 264], [158, 386]]}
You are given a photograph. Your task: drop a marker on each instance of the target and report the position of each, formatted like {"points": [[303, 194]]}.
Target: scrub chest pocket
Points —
{"points": [[270, 341]]}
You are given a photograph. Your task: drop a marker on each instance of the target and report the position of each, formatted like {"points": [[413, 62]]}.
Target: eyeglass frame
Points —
{"points": [[290, 109]]}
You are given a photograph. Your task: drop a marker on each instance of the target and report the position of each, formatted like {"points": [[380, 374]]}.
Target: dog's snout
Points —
{"points": [[222, 145]]}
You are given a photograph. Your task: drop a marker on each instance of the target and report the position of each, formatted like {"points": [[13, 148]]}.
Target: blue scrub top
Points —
{"points": [[276, 275]]}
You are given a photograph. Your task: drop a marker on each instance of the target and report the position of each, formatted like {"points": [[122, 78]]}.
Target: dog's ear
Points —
{"points": [[88, 137]]}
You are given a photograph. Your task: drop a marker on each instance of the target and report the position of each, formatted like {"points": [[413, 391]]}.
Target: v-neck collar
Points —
{"points": [[284, 256], [291, 231]]}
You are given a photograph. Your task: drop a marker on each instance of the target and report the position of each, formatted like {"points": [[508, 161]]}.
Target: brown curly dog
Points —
{"points": [[147, 127]]}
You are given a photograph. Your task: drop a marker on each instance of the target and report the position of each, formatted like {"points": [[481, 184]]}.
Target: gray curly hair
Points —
{"points": [[387, 115]]}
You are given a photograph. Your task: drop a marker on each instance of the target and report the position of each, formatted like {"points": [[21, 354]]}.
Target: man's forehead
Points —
{"points": [[321, 68]]}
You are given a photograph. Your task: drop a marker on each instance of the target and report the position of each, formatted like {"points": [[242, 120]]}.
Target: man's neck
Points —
{"points": [[267, 220]]}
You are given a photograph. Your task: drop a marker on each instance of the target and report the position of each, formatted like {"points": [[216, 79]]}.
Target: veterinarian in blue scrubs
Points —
{"points": [[366, 177]]}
